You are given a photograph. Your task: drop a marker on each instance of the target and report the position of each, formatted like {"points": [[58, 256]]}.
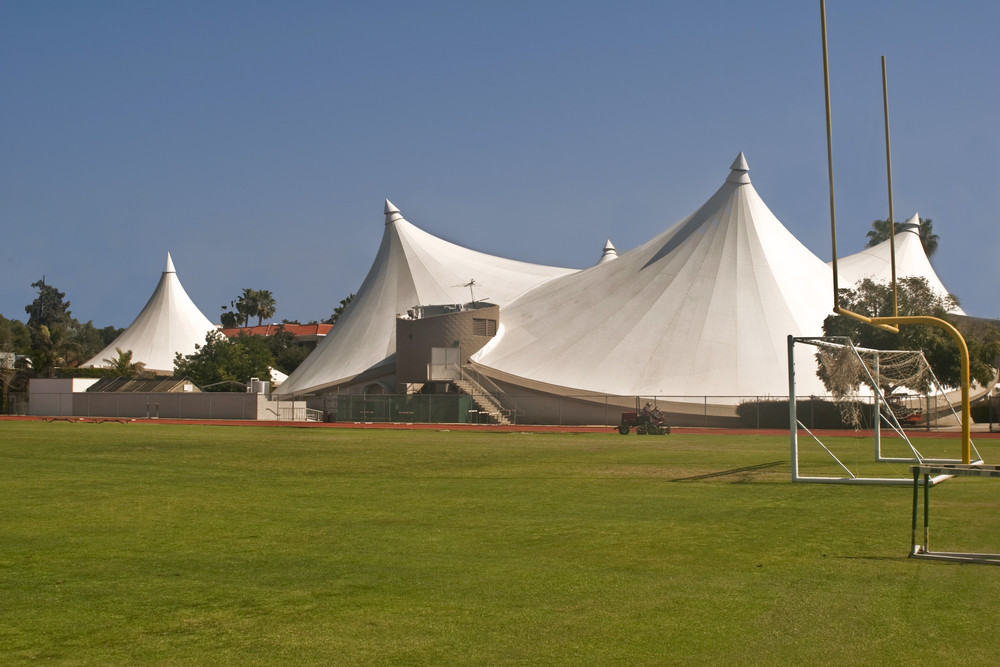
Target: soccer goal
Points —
{"points": [[867, 388], [925, 473]]}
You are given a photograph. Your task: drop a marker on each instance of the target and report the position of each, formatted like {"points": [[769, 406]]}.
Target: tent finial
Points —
{"points": [[170, 265], [610, 252], [391, 212], [740, 170]]}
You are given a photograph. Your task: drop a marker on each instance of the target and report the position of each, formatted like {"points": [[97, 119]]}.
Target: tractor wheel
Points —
{"points": [[623, 429], [640, 430]]}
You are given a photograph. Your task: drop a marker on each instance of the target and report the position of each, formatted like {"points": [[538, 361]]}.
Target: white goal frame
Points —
{"points": [[885, 414]]}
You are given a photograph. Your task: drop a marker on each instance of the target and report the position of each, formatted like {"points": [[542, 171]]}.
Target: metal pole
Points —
{"points": [[793, 428], [877, 412], [927, 511], [916, 496], [829, 152], [888, 169]]}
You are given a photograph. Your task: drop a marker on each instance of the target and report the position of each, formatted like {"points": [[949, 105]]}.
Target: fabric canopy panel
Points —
{"points": [[168, 324], [703, 309], [876, 262], [412, 268]]}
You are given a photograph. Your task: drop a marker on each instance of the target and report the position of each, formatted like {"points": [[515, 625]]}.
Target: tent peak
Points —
{"points": [[910, 225], [169, 268], [740, 171], [610, 253], [391, 212]]}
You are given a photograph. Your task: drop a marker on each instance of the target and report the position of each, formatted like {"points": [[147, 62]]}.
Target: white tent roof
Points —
{"points": [[703, 309], [411, 268], [876, 262], [168, 324]]}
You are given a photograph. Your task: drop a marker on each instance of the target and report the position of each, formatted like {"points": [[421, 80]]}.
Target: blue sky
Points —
{"points": [[256, 141]]}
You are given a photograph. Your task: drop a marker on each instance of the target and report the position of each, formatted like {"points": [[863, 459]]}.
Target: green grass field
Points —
{"points": [[157, 544]]}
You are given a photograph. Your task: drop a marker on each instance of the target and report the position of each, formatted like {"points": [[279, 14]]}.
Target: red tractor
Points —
{"points": [[648, 421]]}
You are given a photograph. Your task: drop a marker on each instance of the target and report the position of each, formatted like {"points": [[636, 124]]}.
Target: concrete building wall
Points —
{"points": [[207, 405], [54, 396], [469, 330]]}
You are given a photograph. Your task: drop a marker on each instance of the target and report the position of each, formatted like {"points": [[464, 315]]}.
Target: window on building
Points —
{"points": [[484, 327]]}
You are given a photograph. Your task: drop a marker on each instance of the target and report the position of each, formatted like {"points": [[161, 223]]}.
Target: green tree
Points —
{"points": [[915, 297], [122, 365], [287, 353], [265, 305], [229, 319], [48, 308], [246, 305], [339, 310], [14, 336], [222, 363], [57, 339], [91, 339], [251, 303], [50, 349], [880, 232]]}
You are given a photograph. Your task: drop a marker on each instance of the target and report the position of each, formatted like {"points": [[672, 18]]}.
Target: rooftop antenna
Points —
{"points": [[470, 284]]}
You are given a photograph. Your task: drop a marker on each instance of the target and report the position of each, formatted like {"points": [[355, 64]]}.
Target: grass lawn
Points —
{"points": [[158, 544]]}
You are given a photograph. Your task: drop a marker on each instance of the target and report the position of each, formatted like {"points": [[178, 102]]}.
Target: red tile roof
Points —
{"points": [[272, 329]]}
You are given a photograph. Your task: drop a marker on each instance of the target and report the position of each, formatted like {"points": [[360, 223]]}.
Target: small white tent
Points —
{"points": [[412, 268], [701, 310], [168, 324], [876, 262]]}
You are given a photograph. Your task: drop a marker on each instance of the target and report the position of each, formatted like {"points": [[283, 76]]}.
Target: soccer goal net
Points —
{"points": [[879, 394]]}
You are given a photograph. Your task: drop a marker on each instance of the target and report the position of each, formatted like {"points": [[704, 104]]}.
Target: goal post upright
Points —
{"points": [[886, 323], [793, 417]]}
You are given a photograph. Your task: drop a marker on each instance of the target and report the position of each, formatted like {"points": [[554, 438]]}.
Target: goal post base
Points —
{"points": [[956, 557], [923, 476]]}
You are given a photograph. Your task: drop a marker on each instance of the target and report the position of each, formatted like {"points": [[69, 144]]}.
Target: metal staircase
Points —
{"points": [[484, 400]]}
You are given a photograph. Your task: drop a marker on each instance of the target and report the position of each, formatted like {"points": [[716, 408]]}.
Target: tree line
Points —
{"points": [[53, 343]]}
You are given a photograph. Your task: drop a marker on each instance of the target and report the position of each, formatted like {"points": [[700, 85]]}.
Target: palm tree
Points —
{"points": [[246, 305], [123, 366], [880, 232], [265, 304]]}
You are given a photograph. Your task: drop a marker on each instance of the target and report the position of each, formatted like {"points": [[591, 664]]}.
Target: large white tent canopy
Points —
{"points": [[412, 268], [169, 323], [703, 309]]}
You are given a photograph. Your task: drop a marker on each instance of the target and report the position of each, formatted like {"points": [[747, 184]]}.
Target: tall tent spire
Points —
{"points": [[610, 253], [392, 213], [911, 225], [740, 170], [169, 268]]}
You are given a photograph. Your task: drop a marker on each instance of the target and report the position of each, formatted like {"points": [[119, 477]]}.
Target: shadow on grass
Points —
{"points": [[726, 473]]}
